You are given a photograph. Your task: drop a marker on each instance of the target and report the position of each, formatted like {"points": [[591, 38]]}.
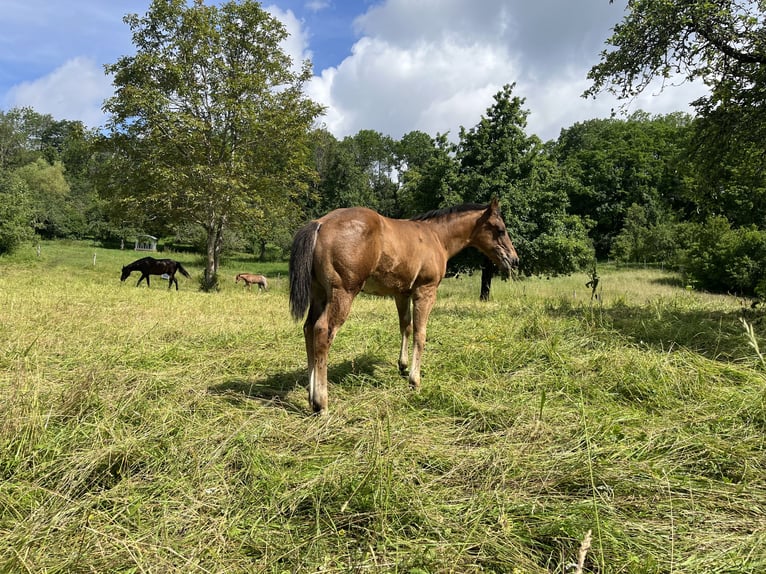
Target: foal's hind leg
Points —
{"points": [[404, 307], [324, 330], [315, 310]]}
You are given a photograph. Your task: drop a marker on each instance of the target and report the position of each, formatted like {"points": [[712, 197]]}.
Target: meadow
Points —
{"points": [[148, 430]]}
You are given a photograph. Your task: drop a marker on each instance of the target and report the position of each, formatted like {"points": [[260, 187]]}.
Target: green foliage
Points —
{"points": [[618, 163], [640, 241], [721, 43], [48, 197], [497, 159], [209, 122], [726, 259], [15, 212], [429, 181]]}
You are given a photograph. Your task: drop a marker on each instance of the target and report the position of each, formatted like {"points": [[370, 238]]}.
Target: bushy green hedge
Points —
{"points": [[725, 259]]}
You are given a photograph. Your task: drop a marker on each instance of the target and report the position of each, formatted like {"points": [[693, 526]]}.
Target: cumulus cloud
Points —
{"points": [[73, 91], [296, 44], [435, 65]]}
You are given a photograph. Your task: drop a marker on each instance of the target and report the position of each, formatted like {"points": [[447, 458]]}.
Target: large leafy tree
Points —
{"points": [[429, 172], [48, 195], [723, 44], [497, 159], [209, 122]]}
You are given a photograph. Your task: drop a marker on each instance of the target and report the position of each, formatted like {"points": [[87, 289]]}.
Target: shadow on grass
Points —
{"points": [[716, 335], [274, 389], [670, 281]]}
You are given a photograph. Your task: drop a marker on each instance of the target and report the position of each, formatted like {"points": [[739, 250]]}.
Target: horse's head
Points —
{"points": [[125, 273], [238, 278], [491, 238]]}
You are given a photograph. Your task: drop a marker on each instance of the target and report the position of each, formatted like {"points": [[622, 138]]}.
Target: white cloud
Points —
{"points": [[317, 5], [296, 44], [74, 91], [435, 65], [432, 86]]}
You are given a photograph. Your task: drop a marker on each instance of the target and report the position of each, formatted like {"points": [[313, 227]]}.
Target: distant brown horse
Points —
{"points": [[249, 279], [151, 266], [356, 249]]}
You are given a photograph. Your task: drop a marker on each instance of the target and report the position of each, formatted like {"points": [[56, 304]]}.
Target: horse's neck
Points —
{"points": [[455, 232]]}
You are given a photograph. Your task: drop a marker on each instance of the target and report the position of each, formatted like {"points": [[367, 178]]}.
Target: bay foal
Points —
{"points": [[355, 249], [251, 279]]}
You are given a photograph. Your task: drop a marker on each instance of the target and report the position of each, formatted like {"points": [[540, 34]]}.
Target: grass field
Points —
{"points": [[147, 430]]}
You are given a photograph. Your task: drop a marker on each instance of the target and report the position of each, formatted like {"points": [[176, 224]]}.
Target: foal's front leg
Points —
{"points": [[404, 307], [422, 302]]}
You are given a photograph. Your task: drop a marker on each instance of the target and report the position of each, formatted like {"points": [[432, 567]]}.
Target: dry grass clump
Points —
{"points": [[143, 430]]}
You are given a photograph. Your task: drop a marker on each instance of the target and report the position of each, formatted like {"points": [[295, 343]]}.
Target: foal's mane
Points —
{"points": [[435, 213]]}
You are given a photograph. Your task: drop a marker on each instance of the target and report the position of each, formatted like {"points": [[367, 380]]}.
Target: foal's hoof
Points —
{"points": [[319, 410], [404, 371]]}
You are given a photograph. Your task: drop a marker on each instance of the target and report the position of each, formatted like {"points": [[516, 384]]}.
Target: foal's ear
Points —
{"points": [[495, 205]]}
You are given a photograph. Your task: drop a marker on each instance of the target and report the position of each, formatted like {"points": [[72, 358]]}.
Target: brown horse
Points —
{"points": [[250, 279], [356, 249], [151, 266]]}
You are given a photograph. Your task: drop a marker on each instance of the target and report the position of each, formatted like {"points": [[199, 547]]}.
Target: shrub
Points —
{"points": [[15, 214], [727, 260]]}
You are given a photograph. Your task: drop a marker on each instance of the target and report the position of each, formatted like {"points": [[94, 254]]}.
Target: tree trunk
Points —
{"points": [[213, 248], [210, 280], [262, 255]]}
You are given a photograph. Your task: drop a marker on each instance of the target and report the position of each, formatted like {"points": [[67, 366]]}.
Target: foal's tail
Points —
{"points": [[301, 261], [183, 271]]}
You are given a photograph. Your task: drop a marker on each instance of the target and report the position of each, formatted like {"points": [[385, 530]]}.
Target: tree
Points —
{"points": [[722, 43], [718, 41], [342, 182], [48, 192], [209, 122], [428, 171], [497, 159], [15, 214]]}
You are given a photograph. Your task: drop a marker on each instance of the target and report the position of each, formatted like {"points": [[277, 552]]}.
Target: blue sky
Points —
{"points": [[389, 65]]}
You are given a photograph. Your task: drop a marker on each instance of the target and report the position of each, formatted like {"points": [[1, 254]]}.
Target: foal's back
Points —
{"points": [[359, 249]]}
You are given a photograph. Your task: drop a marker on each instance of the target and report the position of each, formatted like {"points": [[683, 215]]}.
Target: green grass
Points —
{"points": [[147, 430]]}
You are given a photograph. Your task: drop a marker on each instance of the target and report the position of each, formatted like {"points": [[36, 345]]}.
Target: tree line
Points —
{"points": [[213, 146]]}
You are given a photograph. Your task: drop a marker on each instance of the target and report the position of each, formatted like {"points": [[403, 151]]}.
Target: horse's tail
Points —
{"points": [[183, 271], [301, 262]]}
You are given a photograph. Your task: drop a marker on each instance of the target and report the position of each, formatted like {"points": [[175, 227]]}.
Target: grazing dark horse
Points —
{"points": [[356, 249], [251, 279], [151, 266]]}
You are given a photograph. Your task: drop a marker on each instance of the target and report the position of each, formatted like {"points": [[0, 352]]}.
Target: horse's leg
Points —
{"points": [[142, 278], [325, 328], [404, 307], [315, 310], [422, 302]]}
